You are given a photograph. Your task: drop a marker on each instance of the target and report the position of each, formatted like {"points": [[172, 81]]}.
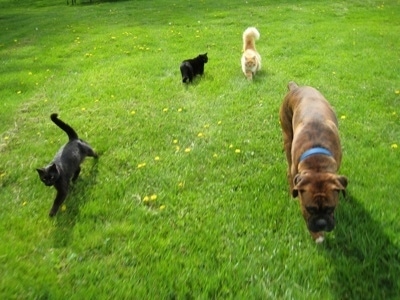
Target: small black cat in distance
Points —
{"points": [[65, 165], [192, 67]]}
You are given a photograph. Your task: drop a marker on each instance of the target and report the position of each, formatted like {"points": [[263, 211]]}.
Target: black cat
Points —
{"points": [[193, 67], [65, 165]]}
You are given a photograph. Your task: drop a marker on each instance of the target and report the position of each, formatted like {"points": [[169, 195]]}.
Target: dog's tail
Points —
{"points": [[250, 35], [292, 85], [72, 135]]}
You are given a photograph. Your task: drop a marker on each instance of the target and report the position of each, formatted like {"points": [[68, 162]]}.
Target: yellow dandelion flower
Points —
{"points": [[397, 92], [219, 122], [394, 113], [215, 155], [177, 148], [165, 109], [141, 165], [83, 109], [6, 138], [133, 112], [394, 146], [24, 203], [343, 117], [30, 73], [162, 207], [153, 197], [200, 134], [181, 184], [180, 109], [237, 150], [146, 199], [19, 92], [157, 158], [206, 126], [64, 207], [187, 150], [175, 141], [230, 146]]}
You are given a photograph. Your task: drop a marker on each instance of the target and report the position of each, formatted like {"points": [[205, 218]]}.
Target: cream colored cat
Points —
{"points": [[251, 59]]}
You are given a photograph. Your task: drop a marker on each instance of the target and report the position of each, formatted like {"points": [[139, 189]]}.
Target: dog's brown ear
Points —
{"points": [[292, 85], [342, 180], [296, 180]]}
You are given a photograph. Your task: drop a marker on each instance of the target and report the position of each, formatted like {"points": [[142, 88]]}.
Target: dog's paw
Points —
{"points": [[319, 239]]}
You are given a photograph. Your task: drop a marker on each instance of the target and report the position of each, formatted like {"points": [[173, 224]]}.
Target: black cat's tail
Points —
{"points": [[72, 135]]}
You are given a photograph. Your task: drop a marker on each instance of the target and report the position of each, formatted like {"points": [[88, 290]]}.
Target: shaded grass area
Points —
{"points": [[189, 197]]}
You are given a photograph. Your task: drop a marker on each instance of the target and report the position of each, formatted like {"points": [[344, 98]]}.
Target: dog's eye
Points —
{"points": [[312, 210]]}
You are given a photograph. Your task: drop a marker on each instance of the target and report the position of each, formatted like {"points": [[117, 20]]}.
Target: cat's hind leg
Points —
{"points": [[87, 149], [76, 174]]}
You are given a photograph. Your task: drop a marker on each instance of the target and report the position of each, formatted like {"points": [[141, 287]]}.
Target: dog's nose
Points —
{"points": [[321, 224]]}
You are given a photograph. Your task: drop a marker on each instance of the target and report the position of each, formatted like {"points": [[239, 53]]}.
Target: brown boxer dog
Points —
{"points": [[313, 151]]}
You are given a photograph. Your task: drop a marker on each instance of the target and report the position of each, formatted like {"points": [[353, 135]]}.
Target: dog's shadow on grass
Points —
{"points": [[66, 220], [366, 262]]}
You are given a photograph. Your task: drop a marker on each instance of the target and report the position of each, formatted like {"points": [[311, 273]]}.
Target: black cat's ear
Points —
{"points": [[54, 168], [40, 171]]}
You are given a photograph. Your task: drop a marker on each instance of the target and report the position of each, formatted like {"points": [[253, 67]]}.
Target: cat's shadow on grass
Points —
{"points": [[366, 262], [66, 220]]}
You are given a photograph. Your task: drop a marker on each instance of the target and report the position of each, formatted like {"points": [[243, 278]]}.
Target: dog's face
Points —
{"points": [[319, 196]]}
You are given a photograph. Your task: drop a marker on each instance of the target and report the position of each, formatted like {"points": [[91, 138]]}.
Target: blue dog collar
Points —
{"points": [[315, 151]]}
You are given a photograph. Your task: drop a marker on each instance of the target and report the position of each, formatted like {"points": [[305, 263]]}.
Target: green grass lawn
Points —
{"points": [[189, 198]]}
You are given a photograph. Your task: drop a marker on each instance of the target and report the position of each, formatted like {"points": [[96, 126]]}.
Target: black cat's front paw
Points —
{"points": [[53, 212]]}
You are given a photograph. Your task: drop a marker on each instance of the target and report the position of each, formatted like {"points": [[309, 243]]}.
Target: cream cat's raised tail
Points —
{"points": [[251, 59]]}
